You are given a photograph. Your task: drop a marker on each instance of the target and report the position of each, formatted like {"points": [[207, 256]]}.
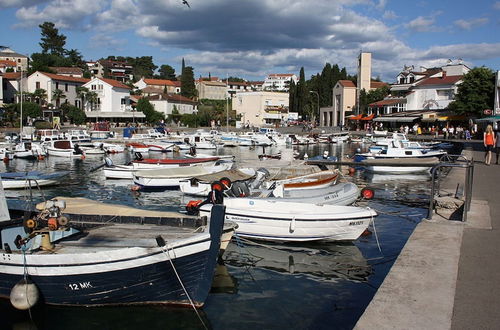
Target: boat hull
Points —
{"points": [[122, 276], [285, 221]]}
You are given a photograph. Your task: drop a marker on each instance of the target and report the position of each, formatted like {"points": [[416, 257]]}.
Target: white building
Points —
{"points": [[160, 84], [165, 103], [50, 82], [496, 110], [112, 101], [261, 108], [279, 82], [20, 61]]}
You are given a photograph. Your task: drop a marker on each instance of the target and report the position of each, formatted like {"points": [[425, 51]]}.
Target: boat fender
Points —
{"points": [[24, 295], [40, 157], [192, 207], [351, 170], [52, 223], [226, 182], [292, 225], [6, 159], [108, 162], [367, 193], [29, 225], [135, 188]]}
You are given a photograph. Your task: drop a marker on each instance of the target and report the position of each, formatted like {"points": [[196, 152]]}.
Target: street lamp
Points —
{"points": [[317, 95]]}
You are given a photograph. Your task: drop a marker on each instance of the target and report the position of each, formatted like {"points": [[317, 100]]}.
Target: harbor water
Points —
{"points": [[324, 285]]}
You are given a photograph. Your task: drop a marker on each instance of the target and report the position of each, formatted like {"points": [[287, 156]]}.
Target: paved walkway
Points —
{"points": [[446, 276]]}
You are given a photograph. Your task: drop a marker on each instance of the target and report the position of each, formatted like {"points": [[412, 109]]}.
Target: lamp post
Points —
{"points": [[317, 95]]}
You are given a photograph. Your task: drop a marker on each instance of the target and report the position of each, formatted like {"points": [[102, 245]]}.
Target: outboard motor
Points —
{"points": [[260, 175], [77, 149]]}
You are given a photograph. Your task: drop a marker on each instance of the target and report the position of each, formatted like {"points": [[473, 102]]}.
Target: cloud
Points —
{"points": [[496, 5], [424, 24], [20, 3], [67, 14], [381, 4], [108, 42], [472, 23], [389, 14]]}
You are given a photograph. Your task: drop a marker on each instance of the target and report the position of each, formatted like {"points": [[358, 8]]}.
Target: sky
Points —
{"points": [[253, 38]]}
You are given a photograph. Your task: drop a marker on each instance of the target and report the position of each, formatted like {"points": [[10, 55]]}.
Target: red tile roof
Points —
{"points": [[377, 84], [446, 80], [67, 70], [65, 78], [7, 63], [115, 83], [347, 83], [387, 102], [240, 83], [177, 83], [12, 75], [160, 82]]}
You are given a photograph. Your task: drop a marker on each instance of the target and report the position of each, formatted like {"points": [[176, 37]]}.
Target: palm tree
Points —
{"points": [[81, 93], [40, 95], [58, 95], [92, 98]]}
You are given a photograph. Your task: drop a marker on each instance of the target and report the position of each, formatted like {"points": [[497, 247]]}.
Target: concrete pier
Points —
{"points": [[446, 276]]}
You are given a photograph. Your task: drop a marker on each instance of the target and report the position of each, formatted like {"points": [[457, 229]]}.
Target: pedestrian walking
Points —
{"points": [[489, 142]]}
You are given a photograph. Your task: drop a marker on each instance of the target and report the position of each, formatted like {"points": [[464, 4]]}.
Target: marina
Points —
{"points": [[262, 274]]}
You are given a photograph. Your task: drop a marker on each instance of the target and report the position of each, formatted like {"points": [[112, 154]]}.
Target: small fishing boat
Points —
{"points": [[405, 165], [110, 148], [78, 135], [28, 150], [22, 180], [169, 178], [286, 221], [63, 148], [201, 185], [98, 258], [396, 150], [112, 171], [344, 193], [316, 180]]}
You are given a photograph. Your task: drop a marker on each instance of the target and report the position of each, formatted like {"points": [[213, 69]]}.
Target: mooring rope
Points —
{"points": [[25, 276], [375, 231], [166, 251]]}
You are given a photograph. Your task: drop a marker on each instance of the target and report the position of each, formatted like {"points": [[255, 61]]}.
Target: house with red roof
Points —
{"points": [[110, 100], [162, 85], [51, 82], [166, 103], [10, 82]]}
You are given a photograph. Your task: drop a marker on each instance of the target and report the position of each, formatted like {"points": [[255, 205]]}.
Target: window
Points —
{"points": [[57, 85], [18, 60], [123, 101], [412, 79], [37, 85], [93, 87], [66, 87]]}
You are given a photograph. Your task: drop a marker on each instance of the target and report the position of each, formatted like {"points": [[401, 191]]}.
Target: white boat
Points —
{"points": [[344, 193], [28, 150], [31, 179], [400, 165], [286, 221], [396, 150], [110, 148], [46, 135], [78, 135], [169, 178], [63, 148]]}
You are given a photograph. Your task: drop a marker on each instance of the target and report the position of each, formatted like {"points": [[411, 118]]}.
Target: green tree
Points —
{"points": [[76, 59], [81, 93], [92, 99], [58, 94], [235, 79], [476, 92], [187, 82], [143, 66], [152, 116], [13, 111], [40, 95], [302, 95], [175, 116], [167, 72], [189, 120], [74, 114], [52, 41]]}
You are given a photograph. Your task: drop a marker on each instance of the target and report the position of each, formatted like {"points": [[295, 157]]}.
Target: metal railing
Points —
{"points": [[450, 161]]}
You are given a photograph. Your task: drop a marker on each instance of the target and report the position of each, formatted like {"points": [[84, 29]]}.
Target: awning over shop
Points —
{"points": [[491, 119], [358, 117], [370, 117], [114, 114], [396, 119], [451, 117]]}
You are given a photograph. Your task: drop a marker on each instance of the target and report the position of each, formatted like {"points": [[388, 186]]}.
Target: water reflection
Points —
{"points": [[320, 261]]}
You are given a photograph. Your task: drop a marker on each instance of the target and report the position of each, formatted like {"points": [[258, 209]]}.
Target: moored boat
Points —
{"points": [[21, 180], [101, 259], [63, 148], [286, 221]]}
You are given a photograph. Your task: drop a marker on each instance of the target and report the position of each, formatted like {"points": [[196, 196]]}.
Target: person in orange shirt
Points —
{"points": [[489, 142]]}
